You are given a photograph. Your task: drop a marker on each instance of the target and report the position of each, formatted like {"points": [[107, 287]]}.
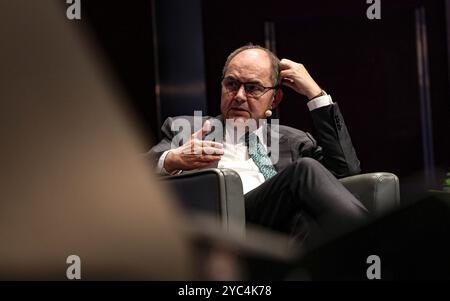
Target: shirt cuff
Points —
{"points": [[319, 102], [160, 167]]}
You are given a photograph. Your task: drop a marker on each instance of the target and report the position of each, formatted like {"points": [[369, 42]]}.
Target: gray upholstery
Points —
{"points": [[219, 191], [214, 190], [379, 191]]}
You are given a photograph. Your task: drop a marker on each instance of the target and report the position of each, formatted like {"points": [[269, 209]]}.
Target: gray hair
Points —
{"points": [[273, 59]]}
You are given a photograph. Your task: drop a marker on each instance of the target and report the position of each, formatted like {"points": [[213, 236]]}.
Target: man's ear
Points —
{"points": [[277, 98]]}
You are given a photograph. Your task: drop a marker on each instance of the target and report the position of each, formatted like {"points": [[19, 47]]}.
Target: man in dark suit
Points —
{"points": [[296, 191]]}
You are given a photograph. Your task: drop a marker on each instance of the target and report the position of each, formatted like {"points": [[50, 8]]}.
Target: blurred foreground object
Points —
{"points": [[72, 180]]}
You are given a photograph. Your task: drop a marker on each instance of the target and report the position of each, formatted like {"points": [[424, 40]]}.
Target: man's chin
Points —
{"points": [[238, 119], [241, 123], [238, 115]]}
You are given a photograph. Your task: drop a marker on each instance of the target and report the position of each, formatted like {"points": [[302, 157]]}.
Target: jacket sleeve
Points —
{"points": [[165, 144], [335, 149]]}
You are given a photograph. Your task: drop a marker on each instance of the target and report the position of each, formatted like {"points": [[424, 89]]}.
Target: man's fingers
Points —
{"points": [[286, 75], [212, 150], [285, 64], [288, 83], [198, 147], [201, 150], [200, 143], [210, 158], [286, 79], [212, 144], [205, 128], [206, 143]]}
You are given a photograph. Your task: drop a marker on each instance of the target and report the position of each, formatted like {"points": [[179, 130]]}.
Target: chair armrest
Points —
{"points": [[216, 191], [379, 192]]}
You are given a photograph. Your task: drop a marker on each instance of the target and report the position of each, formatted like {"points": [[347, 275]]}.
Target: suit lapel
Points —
{"points": [[277, 142]]}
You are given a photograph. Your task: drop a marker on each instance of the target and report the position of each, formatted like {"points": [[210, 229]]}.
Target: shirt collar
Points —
{"points": [[260, 132]]}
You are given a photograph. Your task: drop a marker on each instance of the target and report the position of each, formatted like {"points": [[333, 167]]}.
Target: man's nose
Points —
{"points": [[240, 94]]}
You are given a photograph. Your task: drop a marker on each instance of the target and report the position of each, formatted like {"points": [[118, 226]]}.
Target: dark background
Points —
{"points": [[169, 56]]}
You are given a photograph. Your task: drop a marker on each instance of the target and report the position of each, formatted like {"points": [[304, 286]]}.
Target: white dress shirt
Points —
{"points": [[236, 155]]}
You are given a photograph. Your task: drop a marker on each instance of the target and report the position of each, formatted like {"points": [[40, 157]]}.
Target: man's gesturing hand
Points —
{"points": [[296, 76], [196, 153]]}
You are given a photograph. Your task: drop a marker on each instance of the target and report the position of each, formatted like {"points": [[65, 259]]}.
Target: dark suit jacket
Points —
{"points": [[334, 150]]}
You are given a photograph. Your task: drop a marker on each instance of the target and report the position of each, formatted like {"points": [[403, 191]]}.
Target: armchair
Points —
{"points": [[214, 190], [219, 191]]}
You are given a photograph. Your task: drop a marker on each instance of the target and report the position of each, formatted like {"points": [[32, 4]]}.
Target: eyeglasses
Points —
{"points": [[251, 89]]}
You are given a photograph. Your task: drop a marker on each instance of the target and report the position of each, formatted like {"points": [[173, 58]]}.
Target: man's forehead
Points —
{"points": [[251, 62]]}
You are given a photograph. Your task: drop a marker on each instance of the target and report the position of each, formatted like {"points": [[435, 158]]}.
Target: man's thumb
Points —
{"points": [[202, 132]]}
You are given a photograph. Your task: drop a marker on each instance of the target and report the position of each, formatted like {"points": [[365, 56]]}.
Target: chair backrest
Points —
{"points": [[213, 191]]}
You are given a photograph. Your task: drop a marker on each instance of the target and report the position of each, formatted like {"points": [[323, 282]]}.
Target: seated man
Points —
{"points": [[299, 194]]}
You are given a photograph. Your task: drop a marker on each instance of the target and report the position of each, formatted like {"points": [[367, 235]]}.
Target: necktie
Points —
{"points": [[259, 155]]}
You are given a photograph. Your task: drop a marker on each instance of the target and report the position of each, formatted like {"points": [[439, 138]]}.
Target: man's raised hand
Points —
{"points": [[296, 77], [195, 153]]}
